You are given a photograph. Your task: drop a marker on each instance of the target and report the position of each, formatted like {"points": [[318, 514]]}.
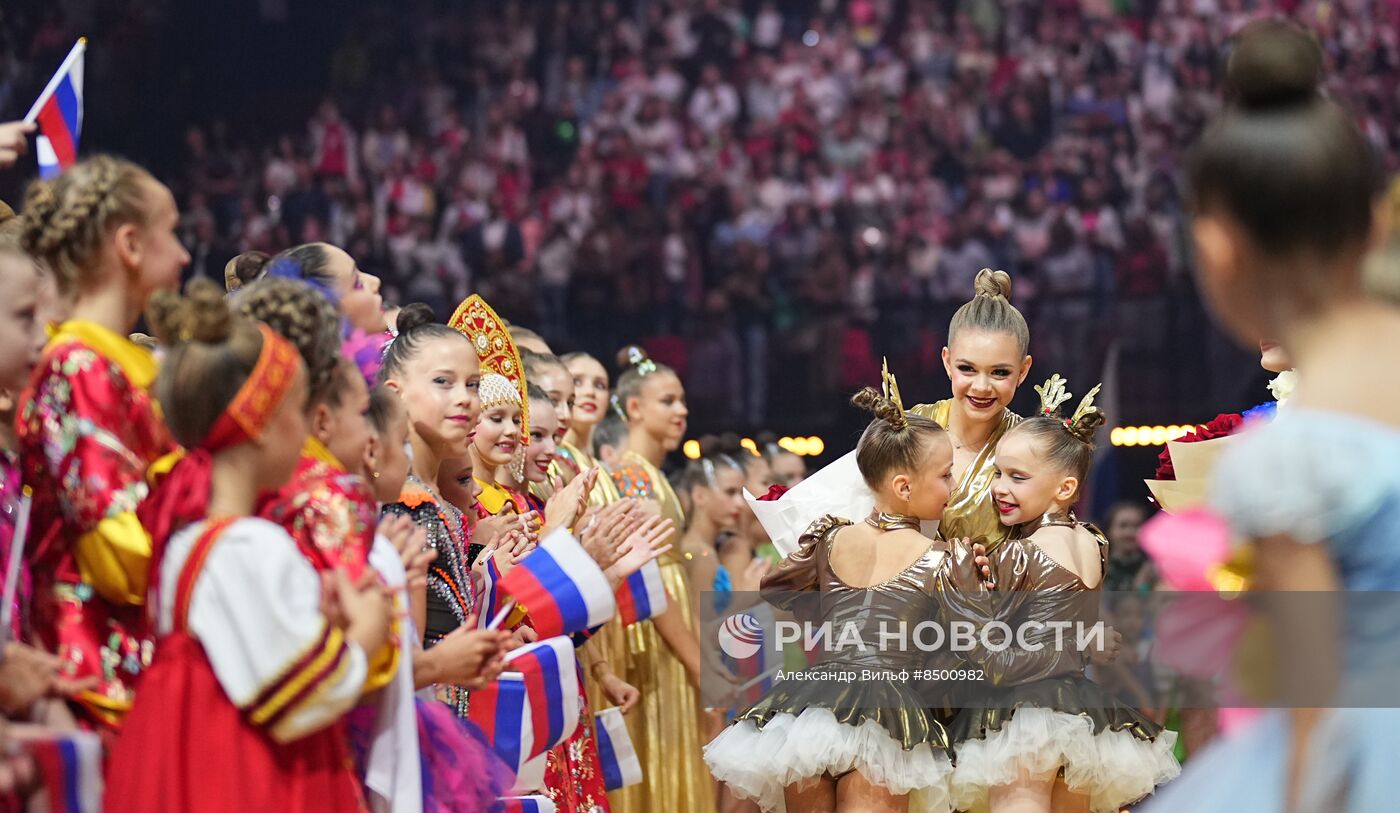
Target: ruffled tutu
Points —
{"points": [[758, 758], [1107, 751]]}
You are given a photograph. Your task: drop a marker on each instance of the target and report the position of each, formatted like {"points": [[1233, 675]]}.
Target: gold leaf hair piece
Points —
{"points": [[891, 391], [1052, 394], [1076, 422]]}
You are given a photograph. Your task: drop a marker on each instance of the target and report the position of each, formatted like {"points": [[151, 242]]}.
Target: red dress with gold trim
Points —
{"points": [[242, 708], [88, 429]]}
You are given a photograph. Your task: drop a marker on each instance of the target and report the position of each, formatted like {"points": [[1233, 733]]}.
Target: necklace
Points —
{"points": [[884, 521]]}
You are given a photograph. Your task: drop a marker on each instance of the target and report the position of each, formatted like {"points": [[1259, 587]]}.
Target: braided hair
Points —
{"points": [[211, 352], [66, 219], [309, 321], [894, 441]]}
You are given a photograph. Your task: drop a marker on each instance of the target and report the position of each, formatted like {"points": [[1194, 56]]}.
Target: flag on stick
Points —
{"points": [[59, 111]]}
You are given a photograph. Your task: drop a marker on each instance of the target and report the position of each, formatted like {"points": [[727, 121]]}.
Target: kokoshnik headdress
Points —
{"points": [[1053, 394], [502, 374]]}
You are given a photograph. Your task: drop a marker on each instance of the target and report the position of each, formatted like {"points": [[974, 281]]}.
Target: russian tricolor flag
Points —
{"points": [[561, 586], [502, 712], [70, 768], [621, 767], [59, 111], [524, 804], [642, 596], [489, 590], [550, 671]]}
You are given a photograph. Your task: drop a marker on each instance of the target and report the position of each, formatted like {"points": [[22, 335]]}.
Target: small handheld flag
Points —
{"points": [[561, 586], [502, 712], [524, 804], [488, 584], [550, 671], [642, 595], [59, 111], [621, 767]]}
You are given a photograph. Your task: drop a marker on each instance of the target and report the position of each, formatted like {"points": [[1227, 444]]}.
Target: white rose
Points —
{"points": [[1283, 386]]}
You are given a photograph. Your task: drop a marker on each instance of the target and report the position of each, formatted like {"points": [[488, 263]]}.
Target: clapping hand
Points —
{"points": [[643, 545]]}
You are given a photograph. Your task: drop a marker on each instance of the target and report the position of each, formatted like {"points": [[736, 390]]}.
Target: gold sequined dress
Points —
{"points": [[665, 725], [823, 722]]}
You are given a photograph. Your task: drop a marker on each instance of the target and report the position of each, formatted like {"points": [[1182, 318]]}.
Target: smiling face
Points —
{"points": [[659, 409], [591, 391], [985, 369], [438, 386], [498, 434], [558, 384], [539, 454], [1026, 485]]}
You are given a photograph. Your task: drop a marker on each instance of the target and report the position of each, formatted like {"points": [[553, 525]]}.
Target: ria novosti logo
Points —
{"points": [[740, 636]]}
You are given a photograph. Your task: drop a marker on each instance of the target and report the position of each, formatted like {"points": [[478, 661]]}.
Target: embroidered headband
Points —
{"points": [[248, 414]]}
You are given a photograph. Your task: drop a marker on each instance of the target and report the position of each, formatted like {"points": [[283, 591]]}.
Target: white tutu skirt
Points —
{"points": [[757, 763], [1112, 767]]}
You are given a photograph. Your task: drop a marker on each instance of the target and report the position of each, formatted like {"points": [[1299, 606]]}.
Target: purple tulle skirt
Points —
{"points": [[461, 772]]}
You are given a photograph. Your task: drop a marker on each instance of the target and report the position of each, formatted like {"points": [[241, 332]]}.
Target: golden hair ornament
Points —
{"points": [[891, 390], [1052, 394]]}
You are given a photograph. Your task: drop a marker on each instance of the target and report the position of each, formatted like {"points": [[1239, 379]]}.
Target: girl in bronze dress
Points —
{"points": [[819, 741], [1037, 735]]}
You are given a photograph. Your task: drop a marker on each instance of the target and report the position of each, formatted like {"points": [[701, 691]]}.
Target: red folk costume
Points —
{"points": [[329, 512], [332, 516], [241, 709], [88, 429]]}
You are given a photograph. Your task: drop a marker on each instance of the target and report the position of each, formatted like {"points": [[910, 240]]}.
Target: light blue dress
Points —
{"points": [[1332, 479]]}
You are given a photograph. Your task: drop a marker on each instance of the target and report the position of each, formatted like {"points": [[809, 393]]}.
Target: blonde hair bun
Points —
{"points": [[992, 283]]}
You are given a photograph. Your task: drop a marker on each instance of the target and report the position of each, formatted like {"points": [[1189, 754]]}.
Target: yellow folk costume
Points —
{"points": [[665, 726]]}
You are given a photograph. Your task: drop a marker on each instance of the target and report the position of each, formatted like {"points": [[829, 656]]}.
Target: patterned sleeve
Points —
{"points": [[340, 523], [632, 481], [255, 609], [83, 408]]}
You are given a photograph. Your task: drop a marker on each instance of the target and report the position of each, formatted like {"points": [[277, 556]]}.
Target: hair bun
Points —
{"points": [[1087, 426], [711, 445], [414, 315], [201, 315], [870, 400], [992, 283], [631, 356], [1274, 63]]}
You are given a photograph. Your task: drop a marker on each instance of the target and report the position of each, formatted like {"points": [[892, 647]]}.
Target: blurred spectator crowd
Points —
{"points": [[771, 195]]}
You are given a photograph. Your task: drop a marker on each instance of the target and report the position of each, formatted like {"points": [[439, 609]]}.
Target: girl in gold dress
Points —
{"points": [[663, 653], [986, 360], [589, 406]]}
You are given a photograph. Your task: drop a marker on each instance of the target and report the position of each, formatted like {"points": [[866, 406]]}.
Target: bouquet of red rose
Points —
{"points": [[1223, 426]]}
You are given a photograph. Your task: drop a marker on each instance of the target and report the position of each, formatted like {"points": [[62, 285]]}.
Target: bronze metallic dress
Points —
{"points": [[849, 711], [1036, 712]]}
